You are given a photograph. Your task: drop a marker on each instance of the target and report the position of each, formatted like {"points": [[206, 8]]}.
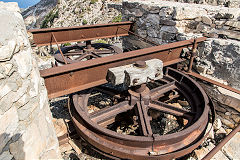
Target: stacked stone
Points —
{"points": [[26, 130], [223, 3], [164, 22]]}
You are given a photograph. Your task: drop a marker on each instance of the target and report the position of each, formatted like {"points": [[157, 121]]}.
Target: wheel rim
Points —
{"points": [[147, 144], [79, 52]]}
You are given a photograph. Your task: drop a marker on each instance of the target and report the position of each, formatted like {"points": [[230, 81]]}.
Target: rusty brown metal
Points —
{"points": [[78, 76], [78, 52], [148, 145], [221, 144], [43, 37], [213, 82], [193, 55], [59, 49]]}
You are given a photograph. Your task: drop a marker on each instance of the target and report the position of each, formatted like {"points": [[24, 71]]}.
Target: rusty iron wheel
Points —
{"points": [[81, 52], [147, 143]]}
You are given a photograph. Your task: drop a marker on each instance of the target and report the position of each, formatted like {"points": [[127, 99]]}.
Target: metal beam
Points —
{"points": [[78, 76], [43, 37], [213, 82]]}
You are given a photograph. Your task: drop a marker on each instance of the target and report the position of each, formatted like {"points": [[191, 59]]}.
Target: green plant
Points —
{"points": [[84, 22], [66, 44], [49, 18], [117, 18], [93, 1]]}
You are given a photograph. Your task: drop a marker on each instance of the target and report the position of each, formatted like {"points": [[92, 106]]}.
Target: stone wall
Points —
{"points": [[26, 130], [223, 3], [164, 22]]}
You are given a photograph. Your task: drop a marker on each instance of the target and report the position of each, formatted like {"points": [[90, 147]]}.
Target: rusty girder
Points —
{"points": [[81, 75], [52, 36]]}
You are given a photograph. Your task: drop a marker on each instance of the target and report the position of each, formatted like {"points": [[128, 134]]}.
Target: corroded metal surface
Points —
{"points": [[78, 76], [80, 52], [148, 145], [43, 37]]}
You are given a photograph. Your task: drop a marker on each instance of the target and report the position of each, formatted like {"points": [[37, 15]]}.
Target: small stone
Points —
{"points": [[221, 131], [213, 35], [213, 25], [228, 123], [228, 113], [217, 124], [60, 127], [183, 103], [170, 29], [16, 149], [167, 22], [210, 130], [206, 20], [7, 51], [138, 13], [154, 9], [176, 105], [52, 154], [65, 147], [76, 145], [231, 148], [6, 156], [236, 118], [220, 109], [200, 153], [198, 19], [228, 131]]}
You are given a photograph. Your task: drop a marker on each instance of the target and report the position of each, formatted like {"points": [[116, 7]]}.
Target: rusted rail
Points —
{"points": [[44, 37], [221, 144], [81, 75], [213, 82]]}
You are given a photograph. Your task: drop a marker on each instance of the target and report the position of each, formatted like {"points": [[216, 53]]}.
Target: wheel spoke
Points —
{"points": [[163, 107], [109, 91], [109, 112], [73, 54], [157, 92], [94, 55], [106, 51], [82, 56], [144, 119]]}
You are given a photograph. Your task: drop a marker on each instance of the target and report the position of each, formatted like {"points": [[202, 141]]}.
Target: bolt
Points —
{"points": [[141, 64]]}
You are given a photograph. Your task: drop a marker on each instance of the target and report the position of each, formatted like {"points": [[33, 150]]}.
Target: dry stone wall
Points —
{"points": [[26, 130], [223, 3], [164, 22]]}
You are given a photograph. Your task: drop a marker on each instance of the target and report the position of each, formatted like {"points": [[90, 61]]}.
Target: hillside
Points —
{"points": [[64, 13]]}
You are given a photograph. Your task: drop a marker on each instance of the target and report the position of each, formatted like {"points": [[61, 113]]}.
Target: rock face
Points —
{"points": [[221, 58], [34, 15], [26, 130], [65, 13]]}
